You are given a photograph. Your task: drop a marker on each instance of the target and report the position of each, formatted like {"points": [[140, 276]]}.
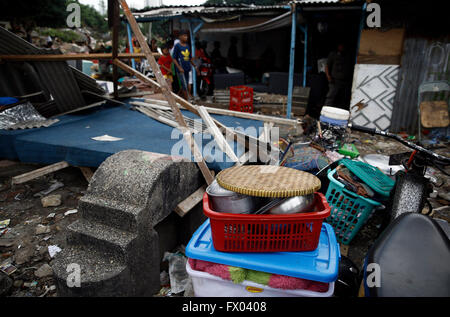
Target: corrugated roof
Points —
{"points": [[56, 78], [172, 11]]}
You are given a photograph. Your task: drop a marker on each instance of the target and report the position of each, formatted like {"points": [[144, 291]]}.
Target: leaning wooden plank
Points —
{"points": [[160, 118], [145, 104], [186, 205], [218, 136], [238, 114], [87, 173], [38, 172], [253, 116], [170, 97], [157, 117]]}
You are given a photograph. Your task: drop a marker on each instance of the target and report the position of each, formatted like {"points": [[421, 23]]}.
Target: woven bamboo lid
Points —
{"points": [[268, 181]]}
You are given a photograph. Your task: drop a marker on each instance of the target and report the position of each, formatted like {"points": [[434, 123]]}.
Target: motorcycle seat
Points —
{"points": [[413, 254]]}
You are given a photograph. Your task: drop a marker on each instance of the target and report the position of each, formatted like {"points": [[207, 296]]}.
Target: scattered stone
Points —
{"points": [[41, 229], [6, 242], [51, 201], [24, 255], [43, 271], [52, 215], [444, 195], [18, 283]]}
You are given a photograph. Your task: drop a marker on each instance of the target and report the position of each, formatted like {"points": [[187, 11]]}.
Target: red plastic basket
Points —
{"points": [[267, 233], [241, 98]]}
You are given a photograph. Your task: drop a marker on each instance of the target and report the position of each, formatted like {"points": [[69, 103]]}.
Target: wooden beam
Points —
{"points": [[115, 45], [38, 173], [186, 205], [165, 90], [87, 173], [238, 114], [68, 57]]}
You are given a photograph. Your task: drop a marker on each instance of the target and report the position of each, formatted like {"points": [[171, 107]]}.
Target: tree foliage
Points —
{"points": [[234, 2], [49, 13]]}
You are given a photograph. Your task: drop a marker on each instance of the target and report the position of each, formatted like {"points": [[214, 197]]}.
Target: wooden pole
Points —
{"points": [[115, 44], [68, 57], [165, 90]]}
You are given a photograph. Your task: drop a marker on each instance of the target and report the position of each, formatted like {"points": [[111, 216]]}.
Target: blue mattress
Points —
{"points": [[70, 139]]}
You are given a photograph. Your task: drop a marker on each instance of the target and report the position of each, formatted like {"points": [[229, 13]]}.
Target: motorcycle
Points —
{"points": [[205, 77], [411, 255]]}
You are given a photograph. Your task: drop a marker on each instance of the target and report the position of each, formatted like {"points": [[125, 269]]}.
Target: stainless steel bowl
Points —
{"points": [[224, 200], [294, 205]]}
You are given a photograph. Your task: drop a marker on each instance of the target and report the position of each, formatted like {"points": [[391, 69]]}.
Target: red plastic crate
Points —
{"points": [[267, 233], [241, 99]]}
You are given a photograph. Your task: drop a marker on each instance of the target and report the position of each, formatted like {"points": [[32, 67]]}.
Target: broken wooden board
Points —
{"points": [[38, 173], [87, 173], [218, 136], [434, 114], [186, 205]]}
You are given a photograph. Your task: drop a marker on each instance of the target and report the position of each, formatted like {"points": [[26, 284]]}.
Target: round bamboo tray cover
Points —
{"points": [[268, 181]]}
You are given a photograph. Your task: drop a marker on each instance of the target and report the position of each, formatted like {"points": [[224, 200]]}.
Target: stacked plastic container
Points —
{"points": [[241, 99], [290, 245]]}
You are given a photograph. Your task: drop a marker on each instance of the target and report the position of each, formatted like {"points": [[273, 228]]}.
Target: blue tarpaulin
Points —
{"points": [[70, 139]]}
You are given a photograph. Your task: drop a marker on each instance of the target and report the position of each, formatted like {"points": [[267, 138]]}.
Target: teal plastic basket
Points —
{"points": [[372, 176], [349, 211]]}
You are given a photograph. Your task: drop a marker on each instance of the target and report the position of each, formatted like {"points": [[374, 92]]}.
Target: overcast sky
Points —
{"points": [[139, 4]]}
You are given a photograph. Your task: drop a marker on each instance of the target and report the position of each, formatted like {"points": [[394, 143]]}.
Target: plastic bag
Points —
{"points": [[179, 278]]}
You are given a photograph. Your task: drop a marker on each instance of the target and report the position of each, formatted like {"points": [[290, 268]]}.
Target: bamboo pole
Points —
{"points": [[187, 134]]}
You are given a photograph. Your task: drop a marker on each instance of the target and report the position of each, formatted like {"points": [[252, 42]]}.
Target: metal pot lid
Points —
{"points": [[214, 189]]}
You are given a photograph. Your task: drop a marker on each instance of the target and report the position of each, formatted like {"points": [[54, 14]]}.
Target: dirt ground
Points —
{"points": [[23, 243], [27, 249]]}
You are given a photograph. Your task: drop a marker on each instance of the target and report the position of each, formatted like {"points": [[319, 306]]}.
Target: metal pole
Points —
{"points": [[115, 44], [291, 61], [130, 45], [194, 75], [193, 31], [305, 55]]}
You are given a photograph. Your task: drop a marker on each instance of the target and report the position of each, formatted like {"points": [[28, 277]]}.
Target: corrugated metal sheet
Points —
{"points": [[57, 79], [422, 60], [173, 11]]}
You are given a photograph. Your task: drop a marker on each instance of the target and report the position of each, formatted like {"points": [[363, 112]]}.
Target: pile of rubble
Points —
{"points": [[33, 219]]}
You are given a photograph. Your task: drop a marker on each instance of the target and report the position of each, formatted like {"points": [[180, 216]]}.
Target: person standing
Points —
{"points": [[165, 63], [182, 59], [339, 74]]}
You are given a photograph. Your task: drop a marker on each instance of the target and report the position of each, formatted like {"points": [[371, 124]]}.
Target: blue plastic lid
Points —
{"points": [[331, 121], [320, 265]]}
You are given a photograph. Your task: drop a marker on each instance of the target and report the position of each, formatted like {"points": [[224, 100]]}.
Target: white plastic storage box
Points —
{"points": [[208, 285], [320, 265]]}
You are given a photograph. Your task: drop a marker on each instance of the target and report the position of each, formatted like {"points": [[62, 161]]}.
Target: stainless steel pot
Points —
{"points": [[224, 200], [294, 205]]}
